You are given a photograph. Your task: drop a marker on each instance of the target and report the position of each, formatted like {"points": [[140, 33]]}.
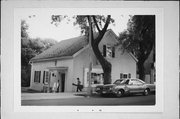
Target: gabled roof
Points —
{"points": [[63, 48], [67, 48]]}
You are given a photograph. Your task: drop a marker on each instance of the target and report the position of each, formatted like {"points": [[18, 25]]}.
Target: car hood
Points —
{"points": [[109, 85]]}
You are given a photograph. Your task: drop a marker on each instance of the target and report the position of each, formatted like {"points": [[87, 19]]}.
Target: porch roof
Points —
{"points": [[57, 68]]}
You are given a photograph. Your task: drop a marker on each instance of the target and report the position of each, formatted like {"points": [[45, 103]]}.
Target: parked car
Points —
{"points": [[99, 88], [127, 86]]}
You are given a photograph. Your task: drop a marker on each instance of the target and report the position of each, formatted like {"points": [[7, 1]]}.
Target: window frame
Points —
{"points": [[46, 75], [37, 76], [108, 51], [128, 75]]}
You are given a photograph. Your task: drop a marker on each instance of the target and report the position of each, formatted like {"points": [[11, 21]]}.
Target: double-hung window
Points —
{"points": [[37, 76], [108, 51], [46, 77], [125, 75]]}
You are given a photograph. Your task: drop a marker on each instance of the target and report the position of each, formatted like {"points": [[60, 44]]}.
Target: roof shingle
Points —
{"points": [[64, 48]]}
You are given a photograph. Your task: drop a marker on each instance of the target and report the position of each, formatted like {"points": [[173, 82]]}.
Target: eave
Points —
{"points": [[51, 59]]}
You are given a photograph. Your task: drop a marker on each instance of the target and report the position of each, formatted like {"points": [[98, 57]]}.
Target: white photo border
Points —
{"points": [[158, 12]]}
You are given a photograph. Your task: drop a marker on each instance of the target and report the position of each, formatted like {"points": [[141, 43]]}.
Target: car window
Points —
{"points": [[140, 81], [136, 82], [117, 82], [125, 81]]}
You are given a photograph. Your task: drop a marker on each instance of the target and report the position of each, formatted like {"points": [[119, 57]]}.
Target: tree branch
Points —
{"points": [[101, 34], [90, 25], [107, 23], [95, 21], [92, 36]]}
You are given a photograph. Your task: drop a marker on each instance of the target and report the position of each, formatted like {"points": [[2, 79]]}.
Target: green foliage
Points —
{"points": [[139, 38], [30, 47], [82, 21], [24, 27]]}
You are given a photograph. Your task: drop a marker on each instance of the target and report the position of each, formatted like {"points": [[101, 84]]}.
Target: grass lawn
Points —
{"points": [[28, 90]]}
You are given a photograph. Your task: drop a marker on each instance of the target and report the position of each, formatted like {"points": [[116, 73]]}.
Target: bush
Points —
{"points": [[25, 76]]}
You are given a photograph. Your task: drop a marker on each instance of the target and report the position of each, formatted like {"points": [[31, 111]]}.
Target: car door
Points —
{"points": [[139, 85], [135, 86], [131, 87]]}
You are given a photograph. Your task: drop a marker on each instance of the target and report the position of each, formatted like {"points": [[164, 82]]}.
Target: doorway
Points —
{"points": [[62, 82]]}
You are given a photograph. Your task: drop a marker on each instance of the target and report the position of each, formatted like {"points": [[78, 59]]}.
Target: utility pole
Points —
{"points": [[90, 59]]}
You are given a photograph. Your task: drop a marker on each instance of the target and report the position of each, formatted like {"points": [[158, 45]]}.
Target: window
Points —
{"points": [[125, 75], [37, 76], [46, 77], [108, 51], [97, 78]]}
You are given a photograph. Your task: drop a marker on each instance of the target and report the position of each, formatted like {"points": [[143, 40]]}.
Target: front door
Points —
{"points": [[62, 82]]}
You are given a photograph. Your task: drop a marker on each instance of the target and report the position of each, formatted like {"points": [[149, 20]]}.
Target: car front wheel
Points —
{"points": [[119, 93], [146, 92]]}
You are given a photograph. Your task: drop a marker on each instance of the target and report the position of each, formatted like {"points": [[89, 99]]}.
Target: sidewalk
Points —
{"points": [[39, 96]]}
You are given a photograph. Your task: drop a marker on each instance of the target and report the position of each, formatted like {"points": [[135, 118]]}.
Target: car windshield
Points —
{"points": [[117, 82]]}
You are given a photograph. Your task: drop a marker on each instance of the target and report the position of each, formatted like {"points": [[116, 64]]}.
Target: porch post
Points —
{"points": [[49, 82]]}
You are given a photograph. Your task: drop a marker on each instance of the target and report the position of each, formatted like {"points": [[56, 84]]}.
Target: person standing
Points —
{"points": [[55, 86], [78, 85], [58, 87]]}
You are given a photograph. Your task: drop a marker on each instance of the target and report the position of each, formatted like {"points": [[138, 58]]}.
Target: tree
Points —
{"points": [[25, 54], [30, 47], [139, 38], [99, 24]]}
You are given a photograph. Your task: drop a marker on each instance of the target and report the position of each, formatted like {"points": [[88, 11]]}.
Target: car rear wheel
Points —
{"points": [[119, 93], [146, 92]]}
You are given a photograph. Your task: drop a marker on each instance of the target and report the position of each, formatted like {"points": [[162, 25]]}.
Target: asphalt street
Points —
{"points": [[95, 100]]}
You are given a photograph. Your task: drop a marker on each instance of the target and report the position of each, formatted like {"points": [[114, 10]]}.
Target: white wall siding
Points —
{"points": [[122, 63], [81, 62], [42, 66], [39, 66]]}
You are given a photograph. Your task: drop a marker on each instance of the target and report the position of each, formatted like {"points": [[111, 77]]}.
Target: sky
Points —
{"points": [[40, 26]]}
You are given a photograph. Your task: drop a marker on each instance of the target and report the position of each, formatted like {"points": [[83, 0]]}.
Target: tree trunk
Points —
{"points": [[141, 70], [106, 66], [141, 59], [107, 74]]}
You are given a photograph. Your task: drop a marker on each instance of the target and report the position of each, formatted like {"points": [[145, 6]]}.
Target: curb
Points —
{"points": [[41, 96]]}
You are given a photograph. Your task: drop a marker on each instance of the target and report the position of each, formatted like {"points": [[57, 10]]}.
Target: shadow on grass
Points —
{"points": [[30, 91], [109, 95]]}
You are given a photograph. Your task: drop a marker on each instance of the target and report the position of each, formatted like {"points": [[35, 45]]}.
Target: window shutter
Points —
{"points": [[34, 76], [39, 77], [44, 77], [49, 73], [104, 50], [121, 75], [129, 75], [113, 52]]}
